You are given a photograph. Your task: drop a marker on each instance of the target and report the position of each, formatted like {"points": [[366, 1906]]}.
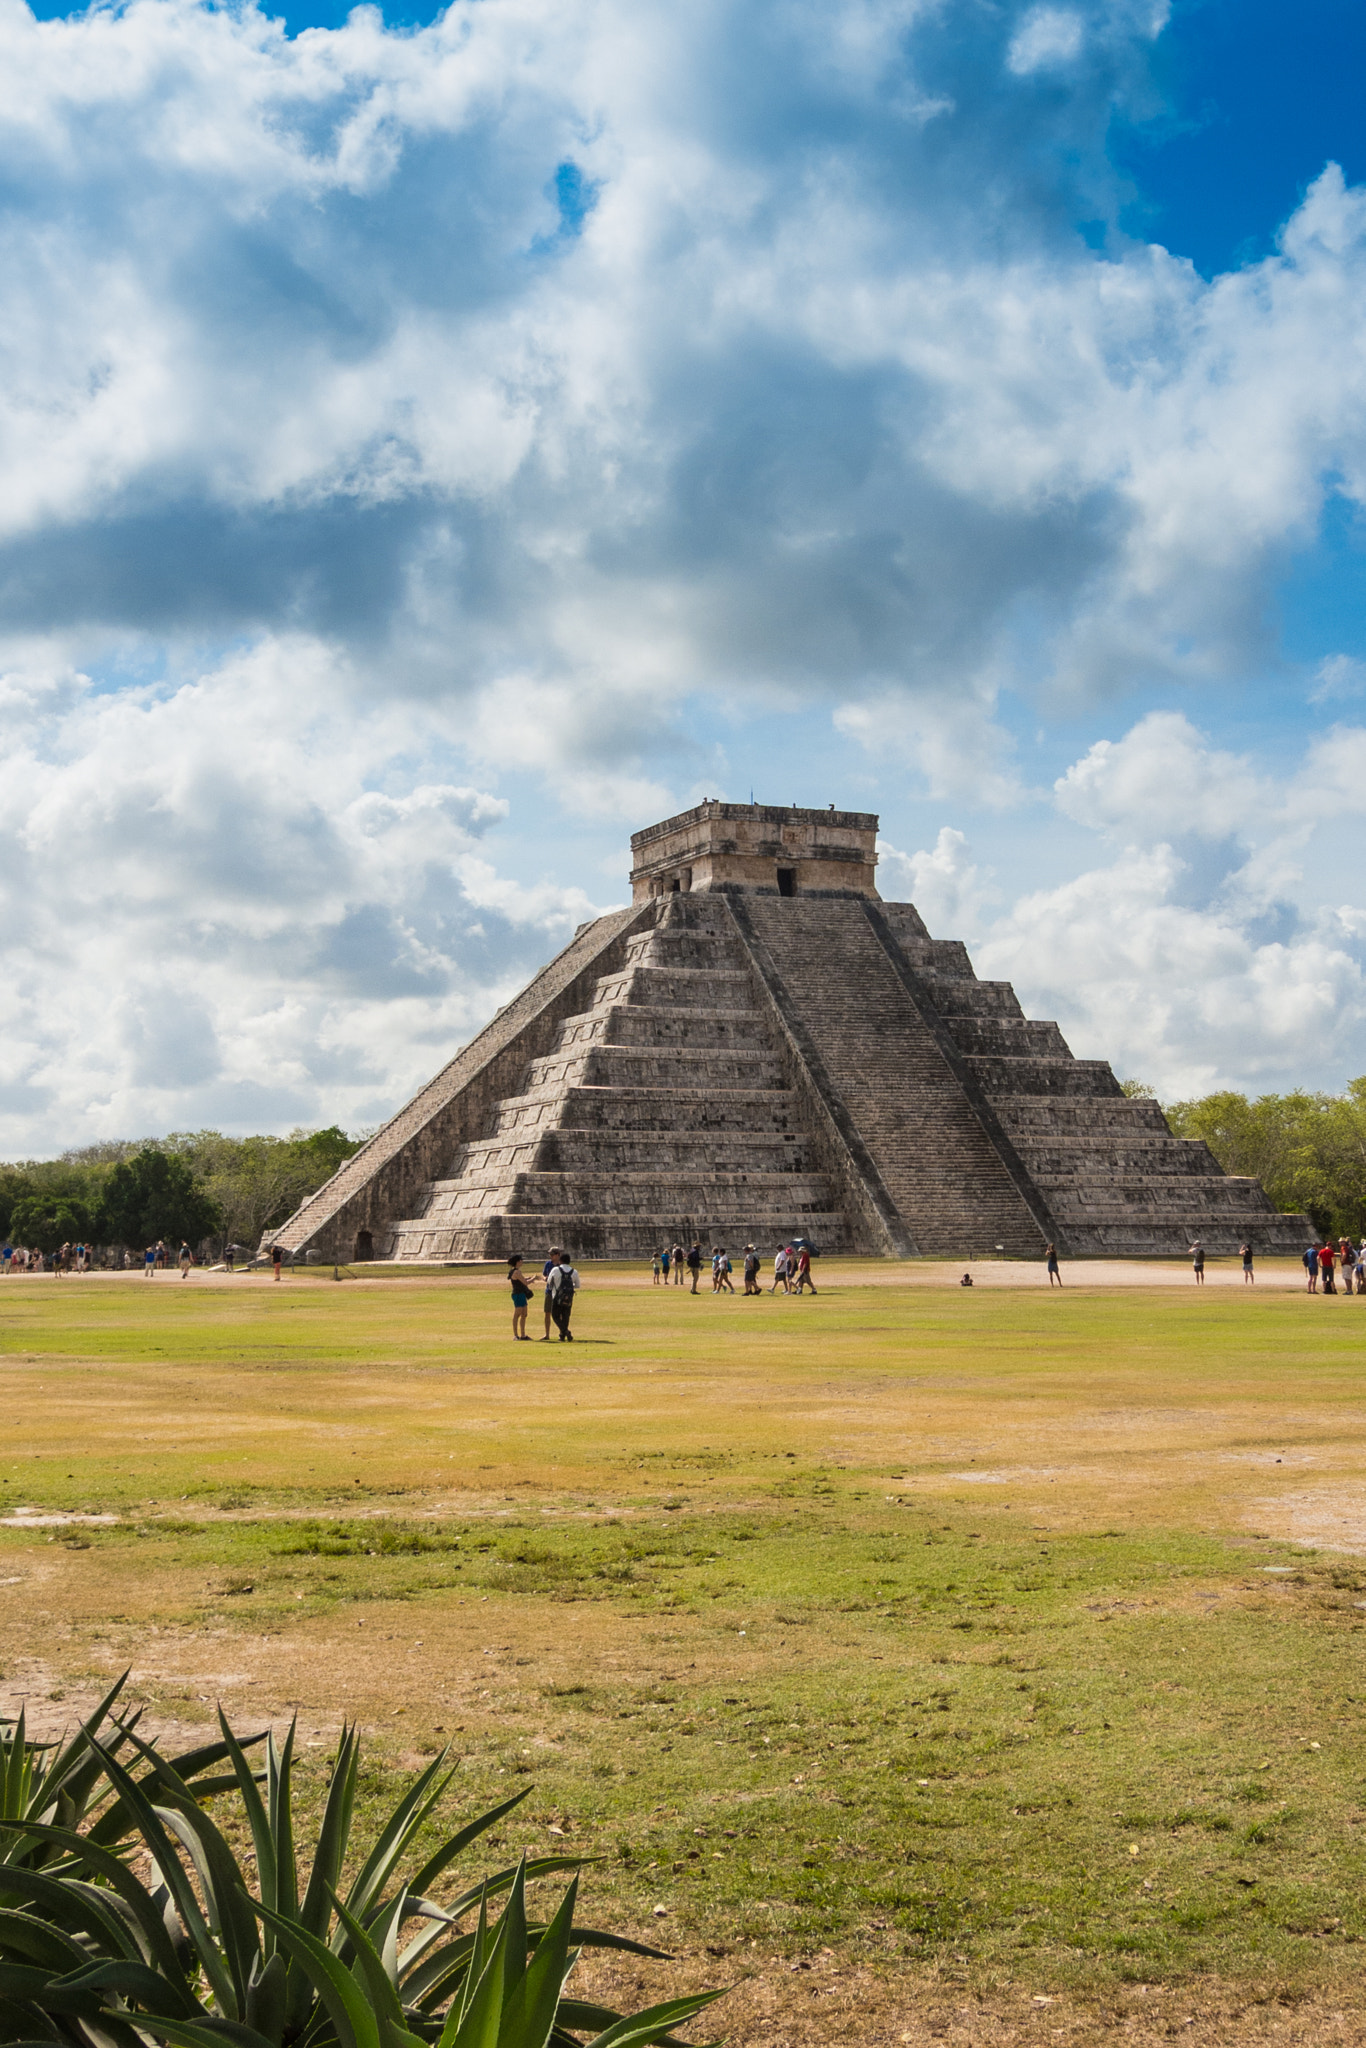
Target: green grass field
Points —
{"points": [[933, 1658]]}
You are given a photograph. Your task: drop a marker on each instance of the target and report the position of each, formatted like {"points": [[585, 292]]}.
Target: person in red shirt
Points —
{"points": [[1326, 1268]]}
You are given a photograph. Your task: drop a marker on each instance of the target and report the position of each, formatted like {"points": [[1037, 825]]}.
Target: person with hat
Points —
{"points": [[752, 1271]]}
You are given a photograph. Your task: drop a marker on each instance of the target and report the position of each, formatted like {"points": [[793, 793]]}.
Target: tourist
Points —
{"points": [[695, 1263], [779, 1271], [1198, 1262], [1326, 1268], [564, 1280], [229, 1254], [1359, 1267], [276, 1258], [656, 1265], [521, 1298], [1051, 1255], [1249, 1277], [966, 1280], [1310, 1262], [716, 1269], [804, 1270], [665, 1261], [790, 1265], [751, 1270], [548, 1270], [149, 1262], [724, 1283], [161, 1251], [1346, 1261], [679, 1263]]}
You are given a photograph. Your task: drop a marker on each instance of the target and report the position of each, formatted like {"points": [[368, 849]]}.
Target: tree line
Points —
{"points": [[1308, 1150], [196, 1186]]}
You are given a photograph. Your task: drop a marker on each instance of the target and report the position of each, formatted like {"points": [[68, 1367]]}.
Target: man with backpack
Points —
{"points": [[563, 1281], [695, 1264], [751, 1270]]}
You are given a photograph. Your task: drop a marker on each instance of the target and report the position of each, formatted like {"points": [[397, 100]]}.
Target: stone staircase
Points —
{"points": [[1111, 1174], [662, 1111], [954, 1186]]}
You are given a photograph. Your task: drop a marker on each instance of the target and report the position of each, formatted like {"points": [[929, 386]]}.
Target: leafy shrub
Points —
{"points": [[202, 1954]]}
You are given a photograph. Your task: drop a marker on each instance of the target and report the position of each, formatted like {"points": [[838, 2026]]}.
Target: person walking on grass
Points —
{"points": [[779, 1271], [521, 1298], [1346, 1260], [666, 1260], [804, 1279], [186, 1260], [1051, 1255], [724, 1283], [1249, 1277], [548, 1270], [1198, 1262], [655, 1264], [1310, 1262], [751, 1270], [149, 1262], [680, 1263], [695, 1263], [277, 1257], [565, 1280]]}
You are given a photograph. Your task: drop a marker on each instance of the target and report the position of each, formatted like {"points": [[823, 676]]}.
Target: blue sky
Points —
{"points": [[438, 443]]}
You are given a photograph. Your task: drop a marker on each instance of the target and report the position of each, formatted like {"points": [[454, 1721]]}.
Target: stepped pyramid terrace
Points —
{"points": [[759, 1046]]}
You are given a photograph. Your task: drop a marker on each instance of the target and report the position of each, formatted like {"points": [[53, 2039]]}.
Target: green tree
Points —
{"points": [[48, 1221], [1308, 1150], [154, 1194], [257, 1182]]}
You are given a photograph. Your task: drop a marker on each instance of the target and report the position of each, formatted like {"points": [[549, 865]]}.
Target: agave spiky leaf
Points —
{"points": [[218, 1967], [352, 2016], [655, 2024]]}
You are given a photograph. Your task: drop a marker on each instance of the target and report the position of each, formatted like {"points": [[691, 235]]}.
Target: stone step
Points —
{"points": [[1134, 1238], [613, 1194], [1056, 1116], [1062, 1166], [1211, 1196], [639, 1024], [957, 997], [1008, 1037], [612, 1236], [1000, 1076], [562, 1149], [688, 988], [611, 1066], [683, 1110], [674, 946]]}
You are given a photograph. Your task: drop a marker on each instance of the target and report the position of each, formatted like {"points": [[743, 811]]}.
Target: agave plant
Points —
{"points": [[66, 1785], [93, 1956]]}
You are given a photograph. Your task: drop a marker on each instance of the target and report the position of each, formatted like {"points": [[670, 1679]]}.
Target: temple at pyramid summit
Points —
{"points": [[759, 1047]]}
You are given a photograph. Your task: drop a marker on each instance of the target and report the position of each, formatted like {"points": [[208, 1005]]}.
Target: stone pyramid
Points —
{"points": [[759, 1046]]}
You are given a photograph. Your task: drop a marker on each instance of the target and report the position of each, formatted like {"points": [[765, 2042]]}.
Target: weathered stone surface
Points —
{"points": [[769, 1048]]}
